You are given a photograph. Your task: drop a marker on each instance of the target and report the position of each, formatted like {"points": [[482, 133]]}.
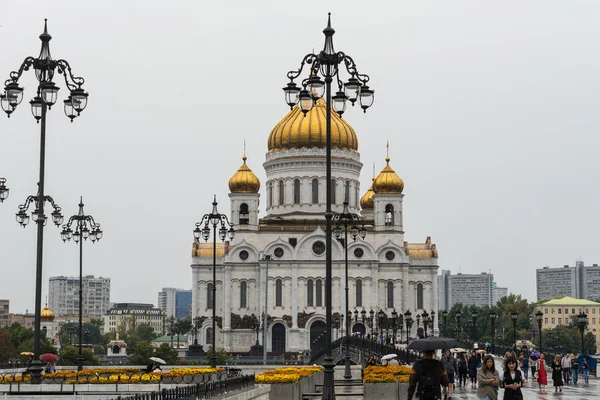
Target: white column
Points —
{"points": [[295, 296], [226, 293], [435, 299]]}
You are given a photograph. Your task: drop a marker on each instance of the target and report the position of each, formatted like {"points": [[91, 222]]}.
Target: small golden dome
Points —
{"points": [[244, 180], [366, 202], [296, 131], [388, 181], [47, 314]]}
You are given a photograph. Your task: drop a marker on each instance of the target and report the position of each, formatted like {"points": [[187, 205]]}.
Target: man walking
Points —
{"points": [[565, 362], [426, 378], [451, 366]]}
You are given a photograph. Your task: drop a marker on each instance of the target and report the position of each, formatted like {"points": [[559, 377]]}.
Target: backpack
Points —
{"points": [[428, 383], [462, 365]]}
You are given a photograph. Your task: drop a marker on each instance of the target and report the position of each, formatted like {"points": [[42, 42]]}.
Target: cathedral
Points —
{"points": [[275, 265]]}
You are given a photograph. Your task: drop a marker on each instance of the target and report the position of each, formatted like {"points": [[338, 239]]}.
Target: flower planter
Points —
{"points": [[287, 391], [386, 391]]}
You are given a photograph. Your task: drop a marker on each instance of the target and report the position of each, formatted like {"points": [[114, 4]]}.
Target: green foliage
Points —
{"points": [[7, 348], [69, 354], [167, 353], [18, 334], [142, 351], [45, 346], [70, 332], [145, 332], [222, 355]]}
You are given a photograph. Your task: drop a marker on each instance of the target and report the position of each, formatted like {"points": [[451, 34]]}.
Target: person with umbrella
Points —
{"points": [[428, 374], [50, 359], [584, 362]]}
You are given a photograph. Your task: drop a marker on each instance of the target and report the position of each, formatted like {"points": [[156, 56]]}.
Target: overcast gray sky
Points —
{"points": [[490, 109]]}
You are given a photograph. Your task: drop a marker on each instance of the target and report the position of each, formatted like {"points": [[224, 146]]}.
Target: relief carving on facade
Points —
{"points": [[219, 321], [245, 322], [288, 320], [303, 318]]}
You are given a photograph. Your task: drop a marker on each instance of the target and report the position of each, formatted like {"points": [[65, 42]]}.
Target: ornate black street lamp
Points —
{"points": [[582, 321], [225, 230], [457, 316], [425, 317], [474, 322], [327, 64], [3, 190], [372, 320], [445, 318], [493, 317], [84, 227], [432, 322], [514, 316], [408, 321], [342, 221], [539, 316], [45, 97], [196, 327]]}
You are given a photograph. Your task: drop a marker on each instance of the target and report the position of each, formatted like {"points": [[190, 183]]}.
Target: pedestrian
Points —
{"points": [[472, 365], [566, 368], [427, 377], [557, 373], [542, 377], [488, 379], [451, 366], [525, 367], [463, 369], [533, 365], [585, 367], [371, 360], [574, 369], [512, 380]]}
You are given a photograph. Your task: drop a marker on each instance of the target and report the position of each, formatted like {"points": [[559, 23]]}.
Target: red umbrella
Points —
{"points": [[49, 357]]}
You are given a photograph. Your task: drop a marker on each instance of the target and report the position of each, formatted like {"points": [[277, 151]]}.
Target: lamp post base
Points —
{"points": [[194, 353], [80, 362], [35, 370], [328, 378], [213, 360], [347, 370]]}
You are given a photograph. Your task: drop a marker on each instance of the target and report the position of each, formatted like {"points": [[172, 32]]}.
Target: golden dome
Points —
{"points": [[47, 314], [388, 181], [244, 180], [366, 202], [296, 131]]}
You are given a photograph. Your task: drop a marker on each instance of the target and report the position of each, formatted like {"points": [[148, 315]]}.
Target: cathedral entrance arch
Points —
{"points": [[360, 328], [278, 339], [317, 335]]}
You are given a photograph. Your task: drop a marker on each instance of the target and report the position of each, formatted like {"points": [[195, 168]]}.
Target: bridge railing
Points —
{"points": [[368, 347]]}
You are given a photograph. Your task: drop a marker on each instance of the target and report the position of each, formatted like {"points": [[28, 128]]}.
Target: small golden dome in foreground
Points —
{"points": [[366, 202], [296, 131], [47, 314], [388, 181], [244, 180]]}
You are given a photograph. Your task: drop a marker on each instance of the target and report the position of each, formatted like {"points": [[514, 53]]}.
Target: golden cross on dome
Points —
{"points": [[244, 157], [387, 158]]}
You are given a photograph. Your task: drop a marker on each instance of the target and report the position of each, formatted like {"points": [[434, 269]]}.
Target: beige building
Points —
{"points": [[129, 315], [561, 311]]}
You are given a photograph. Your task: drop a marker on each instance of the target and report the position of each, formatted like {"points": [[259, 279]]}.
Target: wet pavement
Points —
{"points": [[531, 392]]}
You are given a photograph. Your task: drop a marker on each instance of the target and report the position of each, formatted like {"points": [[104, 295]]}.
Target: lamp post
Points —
{"points": [[539, 316], [474, 327], [432, 321], [344, 220], [266, 258], [225, 229], [408, 321], [3, 190], [582, 321], [445, 318], [195, 329], [514, 316], [493, 317], [458, 315], [326, 63], [80, 227], [425, 317], [171, 326], [371, 314], [45, 97]]}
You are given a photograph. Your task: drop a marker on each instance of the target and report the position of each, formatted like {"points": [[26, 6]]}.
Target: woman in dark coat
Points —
{"points": [[557, 373], [472, 364], [512, 380]]}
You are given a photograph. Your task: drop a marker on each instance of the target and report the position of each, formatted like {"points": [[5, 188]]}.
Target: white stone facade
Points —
{"points": [[386, 272]]}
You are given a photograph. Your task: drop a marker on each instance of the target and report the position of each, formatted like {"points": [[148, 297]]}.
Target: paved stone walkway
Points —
{"points": [[577, 392]]}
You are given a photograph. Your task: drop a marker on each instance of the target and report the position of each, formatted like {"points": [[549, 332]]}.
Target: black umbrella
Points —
{"points": [[432, 343]]}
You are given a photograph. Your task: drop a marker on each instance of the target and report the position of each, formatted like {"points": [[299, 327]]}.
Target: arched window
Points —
{"points": [[278, 293], [270, 194], [332, 183], [420, 296], [244, 214], [319, 300], [389, 214], [208, 336], [309, 293], [209, 299], [243, 294], [358, 293], [315, 191], [347, 191], [390, 294], [281, 193], [296, 191]]}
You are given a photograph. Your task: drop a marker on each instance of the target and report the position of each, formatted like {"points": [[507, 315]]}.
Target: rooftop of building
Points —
{"points": [[569, 301]]}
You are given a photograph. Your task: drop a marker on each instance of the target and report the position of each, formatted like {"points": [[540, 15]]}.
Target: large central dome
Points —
{"points": [[297, 131]]}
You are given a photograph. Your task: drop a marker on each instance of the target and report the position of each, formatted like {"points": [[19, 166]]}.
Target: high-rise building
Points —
{"points": [[63, 295], [466, 289], [580, 282], [129, 315], [498, 293], [4, 312], [175, 302]]}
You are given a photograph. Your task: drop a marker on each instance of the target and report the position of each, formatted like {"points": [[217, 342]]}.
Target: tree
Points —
{"points": [[45, 346], [222, 355], [141, 353], [182, 326], [145, 332], [18, 333], [7, 348], [69, 354], [167, 353]]}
